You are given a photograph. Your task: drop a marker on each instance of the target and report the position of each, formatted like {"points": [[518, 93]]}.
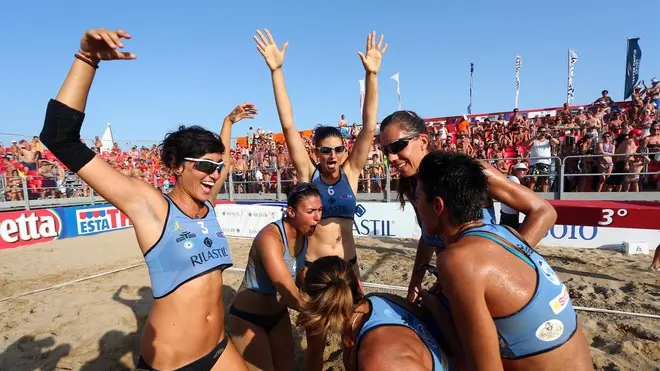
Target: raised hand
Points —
{"points": [[268, 48], [102, 45], [374, 54], [242, 111]]}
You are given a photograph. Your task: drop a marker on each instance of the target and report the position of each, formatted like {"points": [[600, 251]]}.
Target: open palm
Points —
{"points": [[374, 55], [243, 111], [268, 48]]}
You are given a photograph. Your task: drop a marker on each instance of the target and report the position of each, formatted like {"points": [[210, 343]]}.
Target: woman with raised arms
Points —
{"points": [[183, 245], [336, 174], [405, 141], [259, 319]]}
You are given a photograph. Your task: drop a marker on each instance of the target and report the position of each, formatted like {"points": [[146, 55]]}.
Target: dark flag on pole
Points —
{"points": [[469, 108], [633, 59]]}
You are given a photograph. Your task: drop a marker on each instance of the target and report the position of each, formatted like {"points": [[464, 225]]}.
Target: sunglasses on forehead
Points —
{"points": [[398, 145], [205, 166], [327, 150], [302, 187]]}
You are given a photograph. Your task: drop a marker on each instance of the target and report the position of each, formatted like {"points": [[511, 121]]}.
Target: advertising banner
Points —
{"points": [[246, 220], [93, 219], [20, 228]]}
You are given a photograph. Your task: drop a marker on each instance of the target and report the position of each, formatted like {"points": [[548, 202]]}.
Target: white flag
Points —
{"points": [[361, 95], [107, 141], [572, 60], [395, 77], [518, 67]]}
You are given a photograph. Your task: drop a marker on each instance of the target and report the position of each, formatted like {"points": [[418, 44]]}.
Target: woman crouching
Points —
{"points": [[258, 318], [379, 331]]}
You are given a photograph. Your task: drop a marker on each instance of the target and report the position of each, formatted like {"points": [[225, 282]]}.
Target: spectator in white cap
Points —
{"points": [[509, 216]]}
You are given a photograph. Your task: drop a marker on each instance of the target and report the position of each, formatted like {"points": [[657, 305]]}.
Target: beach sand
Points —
{"points": [[94, 324]]}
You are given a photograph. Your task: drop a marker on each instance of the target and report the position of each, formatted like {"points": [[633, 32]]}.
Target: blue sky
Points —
{"points": [[197, 60]]}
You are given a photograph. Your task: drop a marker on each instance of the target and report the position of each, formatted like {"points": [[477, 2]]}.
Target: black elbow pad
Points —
{"points": [[61, 135]]}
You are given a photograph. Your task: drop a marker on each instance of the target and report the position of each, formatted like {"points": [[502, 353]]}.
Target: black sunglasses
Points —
{"points": [[326, 150], [398, 145], [206, 166]]}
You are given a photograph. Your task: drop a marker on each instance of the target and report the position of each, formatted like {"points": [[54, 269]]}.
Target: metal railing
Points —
{"points": [[270, 184]]}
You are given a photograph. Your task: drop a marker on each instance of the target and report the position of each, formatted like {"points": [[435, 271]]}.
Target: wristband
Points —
{"points": [[86, 59]]}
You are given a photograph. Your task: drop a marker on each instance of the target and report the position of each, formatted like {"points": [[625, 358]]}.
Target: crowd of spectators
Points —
{"points": [[538, 145]]}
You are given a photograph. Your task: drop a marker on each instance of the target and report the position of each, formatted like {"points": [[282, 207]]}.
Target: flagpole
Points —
{"points": [[626, 66], [568, 79]]}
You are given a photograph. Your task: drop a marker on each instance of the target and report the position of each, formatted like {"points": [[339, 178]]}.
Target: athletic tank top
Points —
{"points": [[387, 313], [187, 248], [256, 279], [338, 199], [549, 319]]}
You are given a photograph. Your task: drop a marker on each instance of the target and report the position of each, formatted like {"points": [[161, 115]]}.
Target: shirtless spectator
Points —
{"points": [[98, 144], [653, 93], [28, 156], [592, 121], [625, 145], [605, 101], [517, 118], [343, 126], [355, 131], [239, 173]]}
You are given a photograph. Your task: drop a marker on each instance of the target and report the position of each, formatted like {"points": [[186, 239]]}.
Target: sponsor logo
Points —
{"points": [[332, 200], [261, 214], [560, 303], [374, 227], [185, 235], [208, 242], [360, 210], [220, 234], [550, 330], [19, 228], [346, 196], [230, 213], [208, 255], [548, 272], [100, 219]]}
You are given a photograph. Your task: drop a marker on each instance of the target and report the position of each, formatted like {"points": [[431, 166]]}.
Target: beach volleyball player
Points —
{"points": [[336, 173], [258, 318], [183, 245], [405, 141], [511, 311], [379, 331]]}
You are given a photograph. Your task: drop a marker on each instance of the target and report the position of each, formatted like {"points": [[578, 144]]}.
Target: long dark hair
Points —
{"points": [[409, 122]]}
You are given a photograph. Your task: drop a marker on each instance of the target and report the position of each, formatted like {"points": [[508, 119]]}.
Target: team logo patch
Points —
{"points": [[560, 303], [220, 234], [550, 330], [548, 272], [208, 242], [185, 236], [188, 245]]}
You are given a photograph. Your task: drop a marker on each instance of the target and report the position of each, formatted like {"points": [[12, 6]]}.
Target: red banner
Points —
{"points": [[20, 228]]}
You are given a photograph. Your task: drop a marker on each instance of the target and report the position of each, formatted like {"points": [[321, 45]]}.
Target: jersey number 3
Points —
{"points": [[204, 229]]}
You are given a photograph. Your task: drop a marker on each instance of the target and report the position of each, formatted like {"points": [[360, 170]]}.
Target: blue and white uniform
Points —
{"points": [[187, 249], [256, 279], [385, 312], [338, 199], [549, 319]]}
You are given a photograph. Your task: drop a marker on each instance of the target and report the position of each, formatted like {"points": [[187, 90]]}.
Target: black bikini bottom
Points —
{"points": [[205, 363], [266, 322]]}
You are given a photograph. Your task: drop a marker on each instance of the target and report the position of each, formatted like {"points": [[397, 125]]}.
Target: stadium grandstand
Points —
{"points": [[586, 141]]}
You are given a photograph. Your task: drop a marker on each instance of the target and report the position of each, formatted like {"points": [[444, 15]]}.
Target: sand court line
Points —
{"points": [[241, 270]]}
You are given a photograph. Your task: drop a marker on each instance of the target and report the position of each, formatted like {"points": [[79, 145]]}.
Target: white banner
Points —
{"points": [[246, 220], [379, 219], [572, 60], [518, 67], [361, 95], [395, 77]]}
